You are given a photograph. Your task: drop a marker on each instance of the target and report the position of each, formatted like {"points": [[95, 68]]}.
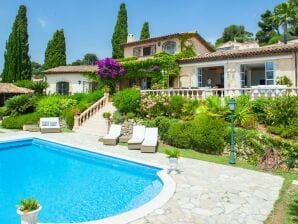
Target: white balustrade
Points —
{"points": [[203, 93]]}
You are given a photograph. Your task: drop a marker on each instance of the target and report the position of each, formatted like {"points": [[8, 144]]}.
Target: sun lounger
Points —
{"points": [[151, 139], [49, 125], [112, 137], [138, 135]]}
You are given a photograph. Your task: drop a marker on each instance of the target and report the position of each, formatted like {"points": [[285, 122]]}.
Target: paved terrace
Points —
{"points": [[205, 192]]}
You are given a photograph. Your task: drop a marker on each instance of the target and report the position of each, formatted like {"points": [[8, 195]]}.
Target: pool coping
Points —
{"points": [[169, 185]]}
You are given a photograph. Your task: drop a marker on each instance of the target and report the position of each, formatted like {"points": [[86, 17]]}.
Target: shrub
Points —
{"points": [[118, 117], [28, 205], [208, 134], [130, 115], [17, 122], [69, 119], [85, 100], [38, 87], [282, 110], [258, 108], [243, 113], [175, 106], [106, 115], [289, 131], [127, 100], [179, 135], [20, 104], [163, 124], [284, 80], [3, 112], [189, 109], [53, 106]]}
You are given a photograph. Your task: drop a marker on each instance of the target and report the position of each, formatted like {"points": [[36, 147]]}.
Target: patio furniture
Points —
{"points": [[49, 125], [151, 139], [138, 135], [112, 137]]}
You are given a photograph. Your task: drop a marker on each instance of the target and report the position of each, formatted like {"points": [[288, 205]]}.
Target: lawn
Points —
{"points": [[285, 208]]}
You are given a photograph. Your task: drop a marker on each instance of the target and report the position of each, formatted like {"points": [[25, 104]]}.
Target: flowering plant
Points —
{"points": [[109, 68]]}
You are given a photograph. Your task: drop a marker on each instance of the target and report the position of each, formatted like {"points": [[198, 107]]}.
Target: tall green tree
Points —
{"points": [[145, 33], [55, 54], [234, 33], [36, 69], [286, 15], [120, 33], [17, 64], [269, 33], [90, 59]]}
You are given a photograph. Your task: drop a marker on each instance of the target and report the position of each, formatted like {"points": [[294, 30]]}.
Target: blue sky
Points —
{"points": [[89, 24]]}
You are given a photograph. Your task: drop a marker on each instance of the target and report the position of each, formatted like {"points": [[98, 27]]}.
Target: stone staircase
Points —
{"points": [[91, 120]]}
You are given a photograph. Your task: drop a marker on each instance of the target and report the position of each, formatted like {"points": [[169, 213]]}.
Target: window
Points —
{"points": [[169, 47], [62, 88], [149, 50], [200, 77], [137, 51], [269, 73], [242, 76]]}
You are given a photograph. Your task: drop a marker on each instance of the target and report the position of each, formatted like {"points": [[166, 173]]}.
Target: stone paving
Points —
{"points": [[205, 192]]}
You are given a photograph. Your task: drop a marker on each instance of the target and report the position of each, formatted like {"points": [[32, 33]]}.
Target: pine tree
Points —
{"points": [[120, 33], [17, 64], [55, 54], [145, 33]]}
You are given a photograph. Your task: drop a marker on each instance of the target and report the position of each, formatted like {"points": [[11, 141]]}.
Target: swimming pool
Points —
{"points": [[72, 185]]}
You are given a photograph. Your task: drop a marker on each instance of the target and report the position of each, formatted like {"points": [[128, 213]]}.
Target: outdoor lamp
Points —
{"points": [[79, 82], [232, 107], [232, 104]]}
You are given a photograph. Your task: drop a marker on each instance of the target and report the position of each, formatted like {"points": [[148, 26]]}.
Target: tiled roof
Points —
{"points": [[276, 49], [71, 69], [169, 36], [11, 88]]}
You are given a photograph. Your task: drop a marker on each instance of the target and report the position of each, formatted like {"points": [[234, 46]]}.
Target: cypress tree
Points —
{"points": [[17, 64], [120, 33], [55, 54], [145, 33]]}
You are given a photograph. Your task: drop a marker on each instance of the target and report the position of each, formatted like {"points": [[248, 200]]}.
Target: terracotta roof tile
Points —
{"points": [[71, 69], [253, 52], [11, 88], [169, 36]]}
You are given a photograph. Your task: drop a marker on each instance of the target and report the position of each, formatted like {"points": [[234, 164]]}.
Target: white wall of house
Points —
{"points": [[77, 82]]}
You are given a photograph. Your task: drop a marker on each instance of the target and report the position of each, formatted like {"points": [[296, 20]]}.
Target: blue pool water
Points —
{"points": [[72, 185]]}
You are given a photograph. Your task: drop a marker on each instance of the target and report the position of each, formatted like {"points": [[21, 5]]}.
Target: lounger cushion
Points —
{"points": [[138, 135], [151, 137], [114, 133]]}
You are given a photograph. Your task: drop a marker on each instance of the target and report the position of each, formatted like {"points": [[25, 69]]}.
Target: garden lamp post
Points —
{"points": [[232, 107], [163, 78]]}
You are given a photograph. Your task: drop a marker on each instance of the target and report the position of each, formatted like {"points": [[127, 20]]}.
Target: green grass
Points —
{"points": [[284, 193], [292, 208]]}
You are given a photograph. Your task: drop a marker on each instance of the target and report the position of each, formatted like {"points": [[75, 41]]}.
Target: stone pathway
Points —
{"points": [[205, 192]]}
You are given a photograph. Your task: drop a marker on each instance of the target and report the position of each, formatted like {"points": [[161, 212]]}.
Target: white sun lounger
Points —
{"points": [[49, 125], [151, 139], [112, 137], [138, 135]]}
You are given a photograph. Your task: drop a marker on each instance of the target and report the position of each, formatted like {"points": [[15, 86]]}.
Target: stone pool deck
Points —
{"points": [[205, 192]]}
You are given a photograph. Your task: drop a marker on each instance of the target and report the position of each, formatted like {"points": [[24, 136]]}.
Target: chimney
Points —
{"points": [[130, 38]]}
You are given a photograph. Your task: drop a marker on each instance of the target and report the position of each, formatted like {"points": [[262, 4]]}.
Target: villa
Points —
{"points": [[234, 66]]}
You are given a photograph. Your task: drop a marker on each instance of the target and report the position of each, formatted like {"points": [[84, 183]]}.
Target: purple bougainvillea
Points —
{"points": [[109, 68]]}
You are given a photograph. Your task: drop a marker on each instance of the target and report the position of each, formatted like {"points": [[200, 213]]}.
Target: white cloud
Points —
{"points": [[42, 22]]}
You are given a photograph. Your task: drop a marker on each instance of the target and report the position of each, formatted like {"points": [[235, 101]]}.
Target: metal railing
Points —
{"points": [[203, 93]]}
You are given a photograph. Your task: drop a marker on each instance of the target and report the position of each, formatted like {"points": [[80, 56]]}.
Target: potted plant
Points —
{"points": [[173, 160], [28, 210], [107, 116]]}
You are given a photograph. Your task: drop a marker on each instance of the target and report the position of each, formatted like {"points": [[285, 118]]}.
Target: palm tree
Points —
{"points": [[286, 14]]}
